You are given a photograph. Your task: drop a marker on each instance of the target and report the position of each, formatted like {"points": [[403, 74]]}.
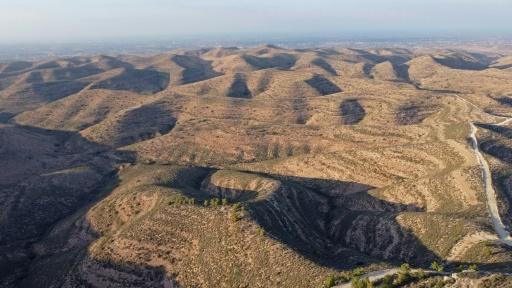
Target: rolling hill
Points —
{"points": [[252, 167]]}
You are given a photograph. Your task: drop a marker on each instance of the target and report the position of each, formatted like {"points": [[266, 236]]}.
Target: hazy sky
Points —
{"points": [[85, 20]]}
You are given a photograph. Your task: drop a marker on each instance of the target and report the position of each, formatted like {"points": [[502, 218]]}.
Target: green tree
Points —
{"points": [[436, 266], [214, 202], [235, 212]]}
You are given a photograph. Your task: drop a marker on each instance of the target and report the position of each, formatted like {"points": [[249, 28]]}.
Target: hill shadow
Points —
{"points": [[47, 175], [503, 67], [351, 112], [75, 268], [335, 224], [238, 88], [414, 112], [143, 123], [496, 145], [195, 68], [320, 62], [502, 131], [323, 85], [324, 220], [461, 63], [280, 61], [396, 59], [17, 66], [506, 101], [142, 81]]}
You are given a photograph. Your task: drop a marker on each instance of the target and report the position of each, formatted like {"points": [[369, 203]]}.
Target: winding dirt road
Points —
{"points": [[372, 276], [378, 275], [492, 203], [490, 193]]}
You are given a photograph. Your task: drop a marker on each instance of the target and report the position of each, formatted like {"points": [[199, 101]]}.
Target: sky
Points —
{"points": [[42, 21]]}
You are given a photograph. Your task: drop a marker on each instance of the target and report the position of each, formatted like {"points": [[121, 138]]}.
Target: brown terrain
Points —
{"points": [[257, 167]]}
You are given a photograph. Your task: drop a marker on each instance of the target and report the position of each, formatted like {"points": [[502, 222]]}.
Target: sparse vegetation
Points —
{"points": [[330, 282], [403, 275], [361, 283], [112, 165], [344, 277]]}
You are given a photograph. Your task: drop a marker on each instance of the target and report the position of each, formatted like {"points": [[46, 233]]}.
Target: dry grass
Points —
{"points": [[357, 154]]}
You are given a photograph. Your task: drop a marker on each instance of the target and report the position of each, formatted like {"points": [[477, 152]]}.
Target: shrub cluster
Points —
{"points": [[343, 277], [182, 200]]}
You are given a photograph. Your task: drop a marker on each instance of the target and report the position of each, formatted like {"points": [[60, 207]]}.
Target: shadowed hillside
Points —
{"points": [[325, 65], [351, 112], [49, 178], [30, 96], [323, 85], [280, 61], [195, 68], [239, 88], [463, 61], [136, 80]]}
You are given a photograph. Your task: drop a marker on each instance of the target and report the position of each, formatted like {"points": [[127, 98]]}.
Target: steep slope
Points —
{"points": [[44, 180], [132, 125], [22, 97], [136, 80], [194, 68]]}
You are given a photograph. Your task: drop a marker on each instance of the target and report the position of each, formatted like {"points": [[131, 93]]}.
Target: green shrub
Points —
{"points": [[437, 267], [402, 278], [358, 283], [420, 274], [473, 267], [405, 268], [403, 275], [358, 272], [387, 282], [214, 202], [487, 251], [329, 282]]}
